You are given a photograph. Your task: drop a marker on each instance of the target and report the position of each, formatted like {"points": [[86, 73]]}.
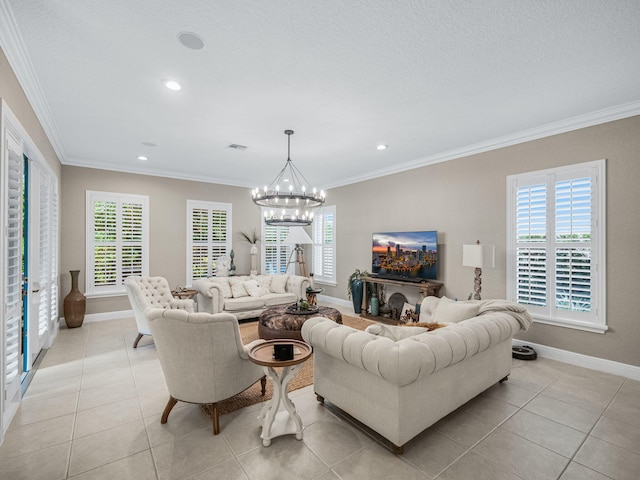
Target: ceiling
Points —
{"points": [[434, 80]]}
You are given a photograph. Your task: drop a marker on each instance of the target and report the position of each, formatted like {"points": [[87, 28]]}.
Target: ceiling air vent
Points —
{"points": [[235, 146]]}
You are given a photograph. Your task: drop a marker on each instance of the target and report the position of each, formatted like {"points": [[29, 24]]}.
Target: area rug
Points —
{"points": [[251, 396]]}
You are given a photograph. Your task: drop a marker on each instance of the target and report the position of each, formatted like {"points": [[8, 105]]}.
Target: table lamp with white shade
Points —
{"points": [[479, 257]]}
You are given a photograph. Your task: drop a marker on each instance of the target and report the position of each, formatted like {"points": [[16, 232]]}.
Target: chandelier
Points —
{"points": [[286, 199]]}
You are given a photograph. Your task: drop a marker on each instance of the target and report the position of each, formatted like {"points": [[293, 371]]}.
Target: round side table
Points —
{"points": [[311, 295], [288, 421]]}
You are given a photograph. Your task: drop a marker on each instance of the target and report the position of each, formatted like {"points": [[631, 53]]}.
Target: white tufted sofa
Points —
{"points": [[400, 380], [144, 292], [248, 296]]}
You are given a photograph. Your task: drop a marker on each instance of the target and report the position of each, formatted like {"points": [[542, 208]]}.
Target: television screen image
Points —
{"points": [[405, 255]]}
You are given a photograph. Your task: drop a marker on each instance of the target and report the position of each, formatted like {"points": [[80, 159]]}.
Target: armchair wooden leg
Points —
{"points": [[320, 398], [135, 344], [263, 384], [216, 418], [396, 449], [170, 404]]}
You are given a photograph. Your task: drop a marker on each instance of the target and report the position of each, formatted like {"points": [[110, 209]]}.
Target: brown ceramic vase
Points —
{"points": [[75, 303]]}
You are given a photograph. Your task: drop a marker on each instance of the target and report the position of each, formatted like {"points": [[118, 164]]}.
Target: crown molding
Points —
{"points": [[598, 117], [16, 52]]}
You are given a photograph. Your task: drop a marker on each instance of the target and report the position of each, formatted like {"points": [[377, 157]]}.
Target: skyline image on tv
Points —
{"points": [[405, 254]]}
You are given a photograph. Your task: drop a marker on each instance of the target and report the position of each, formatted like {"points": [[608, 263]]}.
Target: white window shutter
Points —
{"points": [[324, 245], [117, 240], [556, 250], [208, 237], [13, 275]]}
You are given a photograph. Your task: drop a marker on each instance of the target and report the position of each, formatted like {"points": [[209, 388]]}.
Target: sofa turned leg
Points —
{"points": [[320, 398], [135, 343], [396, 449], [504, 379], [263, 384], [167, 410]]}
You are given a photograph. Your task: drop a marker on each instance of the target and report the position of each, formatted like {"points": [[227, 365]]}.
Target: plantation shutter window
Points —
{"points": [[275, 254], [208, 237], [557, 243], [118, 242], [13, 271], [324, 245]]}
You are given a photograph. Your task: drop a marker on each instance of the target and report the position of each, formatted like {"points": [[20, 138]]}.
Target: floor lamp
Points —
{"points": [[298, 237], [479, 257]]}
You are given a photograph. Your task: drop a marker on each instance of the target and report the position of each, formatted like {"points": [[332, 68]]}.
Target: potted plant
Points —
{"points": [[355, 288], [252, 238]]}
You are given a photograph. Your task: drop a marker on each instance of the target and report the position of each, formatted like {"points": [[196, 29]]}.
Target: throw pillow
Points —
{"points": [[237, 287], [223, 283], [253, 288], [264, 281], [450, 311], [278, 283]]}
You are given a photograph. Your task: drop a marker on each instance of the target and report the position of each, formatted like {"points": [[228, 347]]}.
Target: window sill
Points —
{"points": [[558, 322], [119, 293], [325, 282]]}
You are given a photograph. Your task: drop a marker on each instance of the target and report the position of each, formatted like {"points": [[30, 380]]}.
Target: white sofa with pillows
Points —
{"points": [[399, 380], [248, 296]]}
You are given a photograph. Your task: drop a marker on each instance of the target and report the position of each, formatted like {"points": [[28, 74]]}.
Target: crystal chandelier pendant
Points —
{"points": [[286, 198]]}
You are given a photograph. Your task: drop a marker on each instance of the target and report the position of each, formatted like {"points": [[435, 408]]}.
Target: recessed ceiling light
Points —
{"points": [[172, 85], [382, 147], [191, 40], [142, 157]]}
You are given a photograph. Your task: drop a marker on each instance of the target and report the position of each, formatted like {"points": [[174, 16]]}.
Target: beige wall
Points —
{"points": [[167, 226], [11, 92], [465, 200]]}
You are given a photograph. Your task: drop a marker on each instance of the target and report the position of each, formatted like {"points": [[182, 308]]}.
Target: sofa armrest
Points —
{"points": [[186, 304], [298, 285], [210, 296]]}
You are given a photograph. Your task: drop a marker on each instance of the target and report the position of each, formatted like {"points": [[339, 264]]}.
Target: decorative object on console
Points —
{"points": [[297, 236], [295, 205], [223, 266], [232, 266], [479, 257], [374, 306], [396, 302], [355, 288], [252, 238]]}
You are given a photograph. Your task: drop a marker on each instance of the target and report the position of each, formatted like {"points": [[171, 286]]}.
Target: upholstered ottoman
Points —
{"points": [[276, 322]]}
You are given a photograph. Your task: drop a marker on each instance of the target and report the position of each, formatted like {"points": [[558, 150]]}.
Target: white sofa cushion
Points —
{"points": [[273, 299], [450, 311], [278, 283], [243, 303]]}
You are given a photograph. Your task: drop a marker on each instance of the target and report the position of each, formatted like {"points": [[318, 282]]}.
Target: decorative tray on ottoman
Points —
{"points": [[295, 309]]}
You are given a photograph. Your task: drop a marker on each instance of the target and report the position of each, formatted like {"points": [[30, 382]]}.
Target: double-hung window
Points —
{"points": [[324, 245], [275, 254], [556, 245], [117, 241], [208, 237]]}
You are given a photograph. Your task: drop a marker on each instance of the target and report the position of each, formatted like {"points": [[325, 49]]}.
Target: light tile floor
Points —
{"points": [[93, 411]]}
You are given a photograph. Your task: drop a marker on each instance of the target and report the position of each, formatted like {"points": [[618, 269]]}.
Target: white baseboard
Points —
{"points": [[100, 317], [580, 360]]}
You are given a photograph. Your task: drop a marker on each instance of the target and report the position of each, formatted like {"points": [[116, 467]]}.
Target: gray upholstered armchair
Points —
{"points": [[144, 292], [202, 358]]}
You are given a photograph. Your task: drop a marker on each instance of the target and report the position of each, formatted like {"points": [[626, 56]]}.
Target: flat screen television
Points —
{"points": [[411, 256]]}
